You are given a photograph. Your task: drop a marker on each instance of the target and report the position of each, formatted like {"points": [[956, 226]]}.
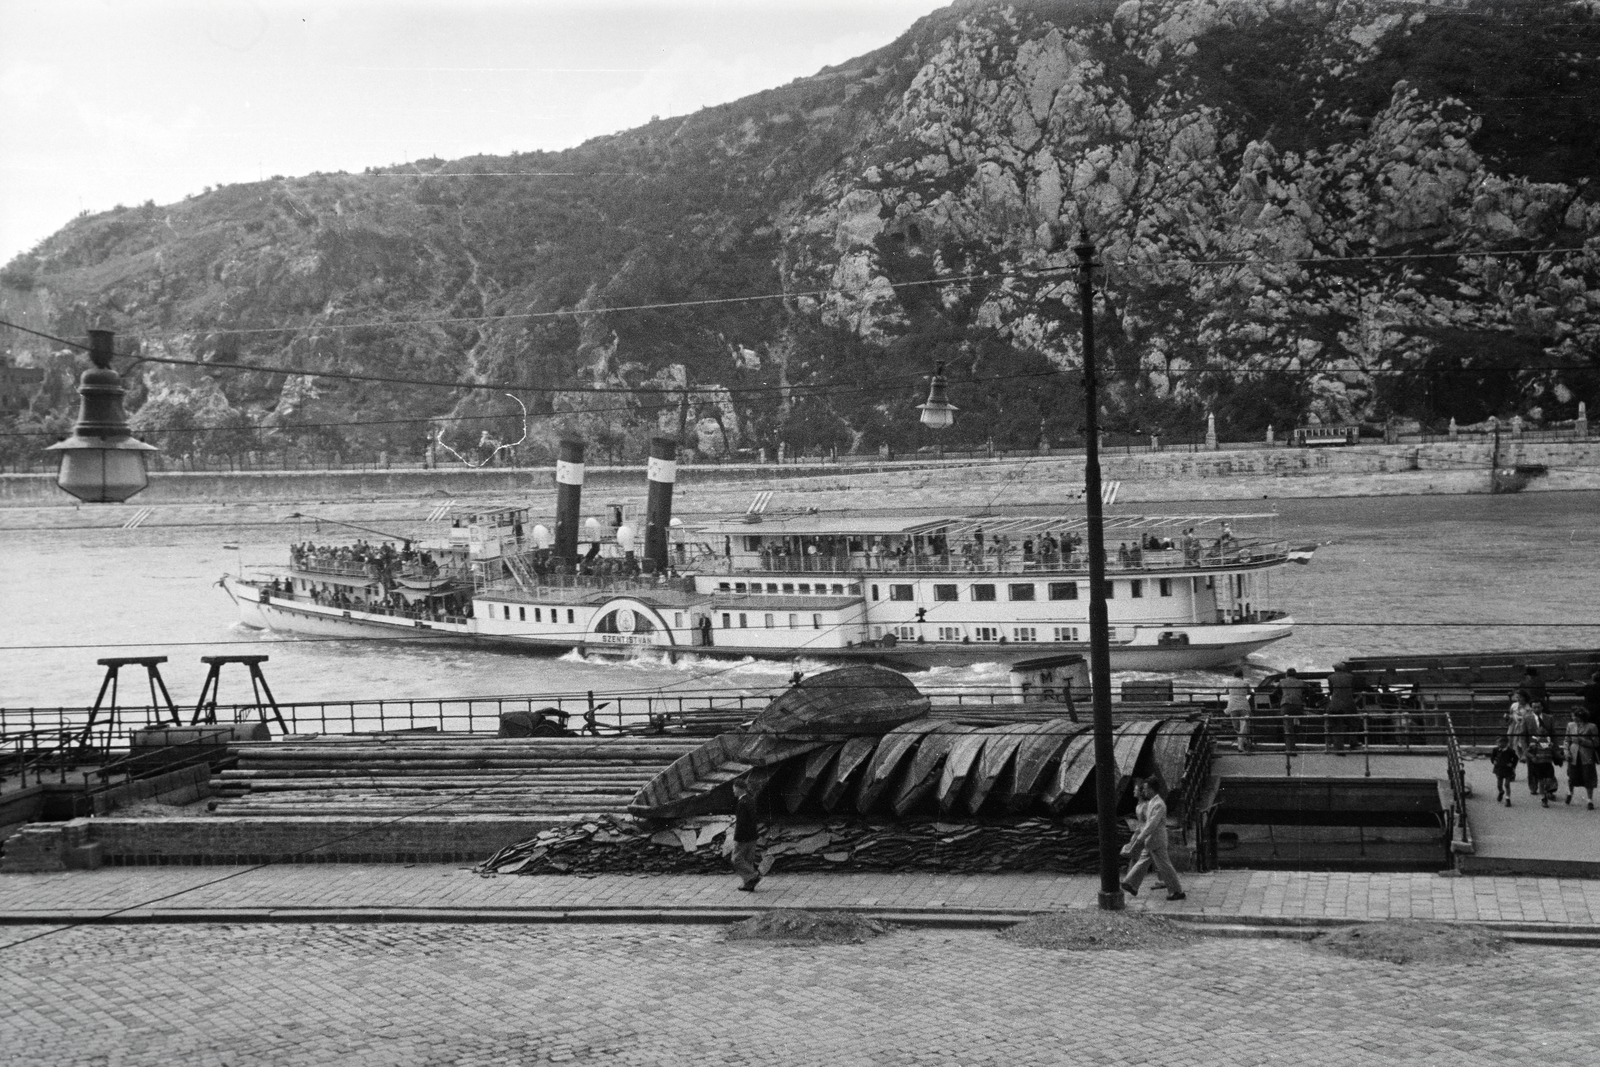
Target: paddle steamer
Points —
{"points": [[1186, 591]]}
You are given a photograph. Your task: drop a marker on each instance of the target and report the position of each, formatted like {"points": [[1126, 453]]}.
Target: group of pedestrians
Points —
{"points": [[1341, 720], [1531, 739]]}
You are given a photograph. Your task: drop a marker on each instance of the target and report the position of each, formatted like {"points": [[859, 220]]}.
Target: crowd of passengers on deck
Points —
{"points": [[385, 601], [990, 553], [375, 561]]}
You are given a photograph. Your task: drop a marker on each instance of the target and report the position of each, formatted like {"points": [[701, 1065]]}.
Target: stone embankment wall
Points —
{"points": [[1365, 470]]}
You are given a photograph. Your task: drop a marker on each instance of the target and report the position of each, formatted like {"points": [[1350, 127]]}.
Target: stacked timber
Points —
{"points": [[444, 774]]}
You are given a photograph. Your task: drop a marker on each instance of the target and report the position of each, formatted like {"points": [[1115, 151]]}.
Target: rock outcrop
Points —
{"points": [[1342, 208]]}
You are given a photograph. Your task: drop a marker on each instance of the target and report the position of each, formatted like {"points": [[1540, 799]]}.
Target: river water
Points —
{"points": [[1394, 574]]}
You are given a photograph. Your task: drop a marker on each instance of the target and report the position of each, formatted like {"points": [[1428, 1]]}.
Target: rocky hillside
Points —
{"points": [[1335, 207]]}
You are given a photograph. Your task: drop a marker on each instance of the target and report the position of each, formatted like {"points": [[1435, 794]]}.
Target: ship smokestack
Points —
{"points": [[569, 499], [663, 472]]}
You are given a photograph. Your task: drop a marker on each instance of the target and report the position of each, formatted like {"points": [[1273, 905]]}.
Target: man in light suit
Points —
{"points": [[1152, 837]]}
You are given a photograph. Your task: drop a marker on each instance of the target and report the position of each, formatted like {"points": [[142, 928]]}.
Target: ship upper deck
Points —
{"points": [[957, 528], [1251, 555]]}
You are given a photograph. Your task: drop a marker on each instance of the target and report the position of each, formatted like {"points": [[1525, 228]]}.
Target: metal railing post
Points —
{"points": [[1366, 742]]}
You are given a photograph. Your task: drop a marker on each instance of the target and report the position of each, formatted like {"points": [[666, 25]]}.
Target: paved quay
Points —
{"points": [[426, 994], [442, 891]]}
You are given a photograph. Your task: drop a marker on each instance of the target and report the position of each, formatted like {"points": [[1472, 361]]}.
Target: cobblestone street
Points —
{"points": [[471, 994]]}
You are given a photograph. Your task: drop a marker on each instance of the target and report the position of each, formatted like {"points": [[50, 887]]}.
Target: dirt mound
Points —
{"points": [[1091, 929], [790, 926], [1410, 941]]}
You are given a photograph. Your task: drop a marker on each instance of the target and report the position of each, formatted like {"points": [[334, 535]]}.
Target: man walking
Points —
{"points": [[746, 830], [1152, 837]]}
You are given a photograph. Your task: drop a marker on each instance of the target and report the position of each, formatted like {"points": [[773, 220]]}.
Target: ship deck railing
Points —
{"points": [[269, 596], [1150, 561], [574, 588]]}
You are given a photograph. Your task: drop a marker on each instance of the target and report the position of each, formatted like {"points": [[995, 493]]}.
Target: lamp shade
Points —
{"points": [[101, 463], [100, 470], [938, 412]]}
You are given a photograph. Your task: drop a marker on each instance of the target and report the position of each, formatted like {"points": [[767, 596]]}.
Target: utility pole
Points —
{"points": [[1105, 766]]}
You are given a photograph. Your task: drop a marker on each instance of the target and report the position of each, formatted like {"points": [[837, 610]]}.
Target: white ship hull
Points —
{"points": [[1135, 648]]}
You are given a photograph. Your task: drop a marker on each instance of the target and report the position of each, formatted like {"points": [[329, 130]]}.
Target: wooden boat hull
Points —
{"points": [[958, 768], [894, 748], [922, 777], [1129, 745], [1077, 762], [1169, 752], [997, 757], [853, 758], [808, 772], [860, 699], [698, 783], [1037, 754]]}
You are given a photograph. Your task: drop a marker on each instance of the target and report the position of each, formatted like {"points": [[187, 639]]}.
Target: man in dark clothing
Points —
{"points": [[1535, 688], [746, 830], [1292, 703], [1591, 698], [1341, 707]]}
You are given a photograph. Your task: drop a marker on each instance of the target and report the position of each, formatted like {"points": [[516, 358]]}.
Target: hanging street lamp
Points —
{"points": [[938, 413], [102, 463]]}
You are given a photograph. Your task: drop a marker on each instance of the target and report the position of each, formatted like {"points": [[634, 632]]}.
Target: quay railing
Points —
{"points": [[482, 714], [1460, 790], [1385, 721]]}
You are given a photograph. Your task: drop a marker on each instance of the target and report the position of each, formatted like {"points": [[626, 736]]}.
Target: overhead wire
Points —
{"points": [[466, 640]]}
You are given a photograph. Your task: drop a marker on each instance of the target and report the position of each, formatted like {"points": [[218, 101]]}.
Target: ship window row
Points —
{"points": [[769, 620], [790, 588], [1022, 634], [538, 614], [982, 592]]}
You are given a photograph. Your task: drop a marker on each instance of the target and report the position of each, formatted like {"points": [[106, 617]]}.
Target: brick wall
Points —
{"points": [[214, 839]]}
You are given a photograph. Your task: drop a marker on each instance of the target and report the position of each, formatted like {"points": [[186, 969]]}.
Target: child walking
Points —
{"points": [[1542, 768], [1504, 760]]}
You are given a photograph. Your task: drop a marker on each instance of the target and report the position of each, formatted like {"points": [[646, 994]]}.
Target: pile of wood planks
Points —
{"points": [[446, 774]]}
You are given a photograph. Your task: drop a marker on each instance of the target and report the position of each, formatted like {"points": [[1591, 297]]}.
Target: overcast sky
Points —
{"points": [[106, 102]]}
